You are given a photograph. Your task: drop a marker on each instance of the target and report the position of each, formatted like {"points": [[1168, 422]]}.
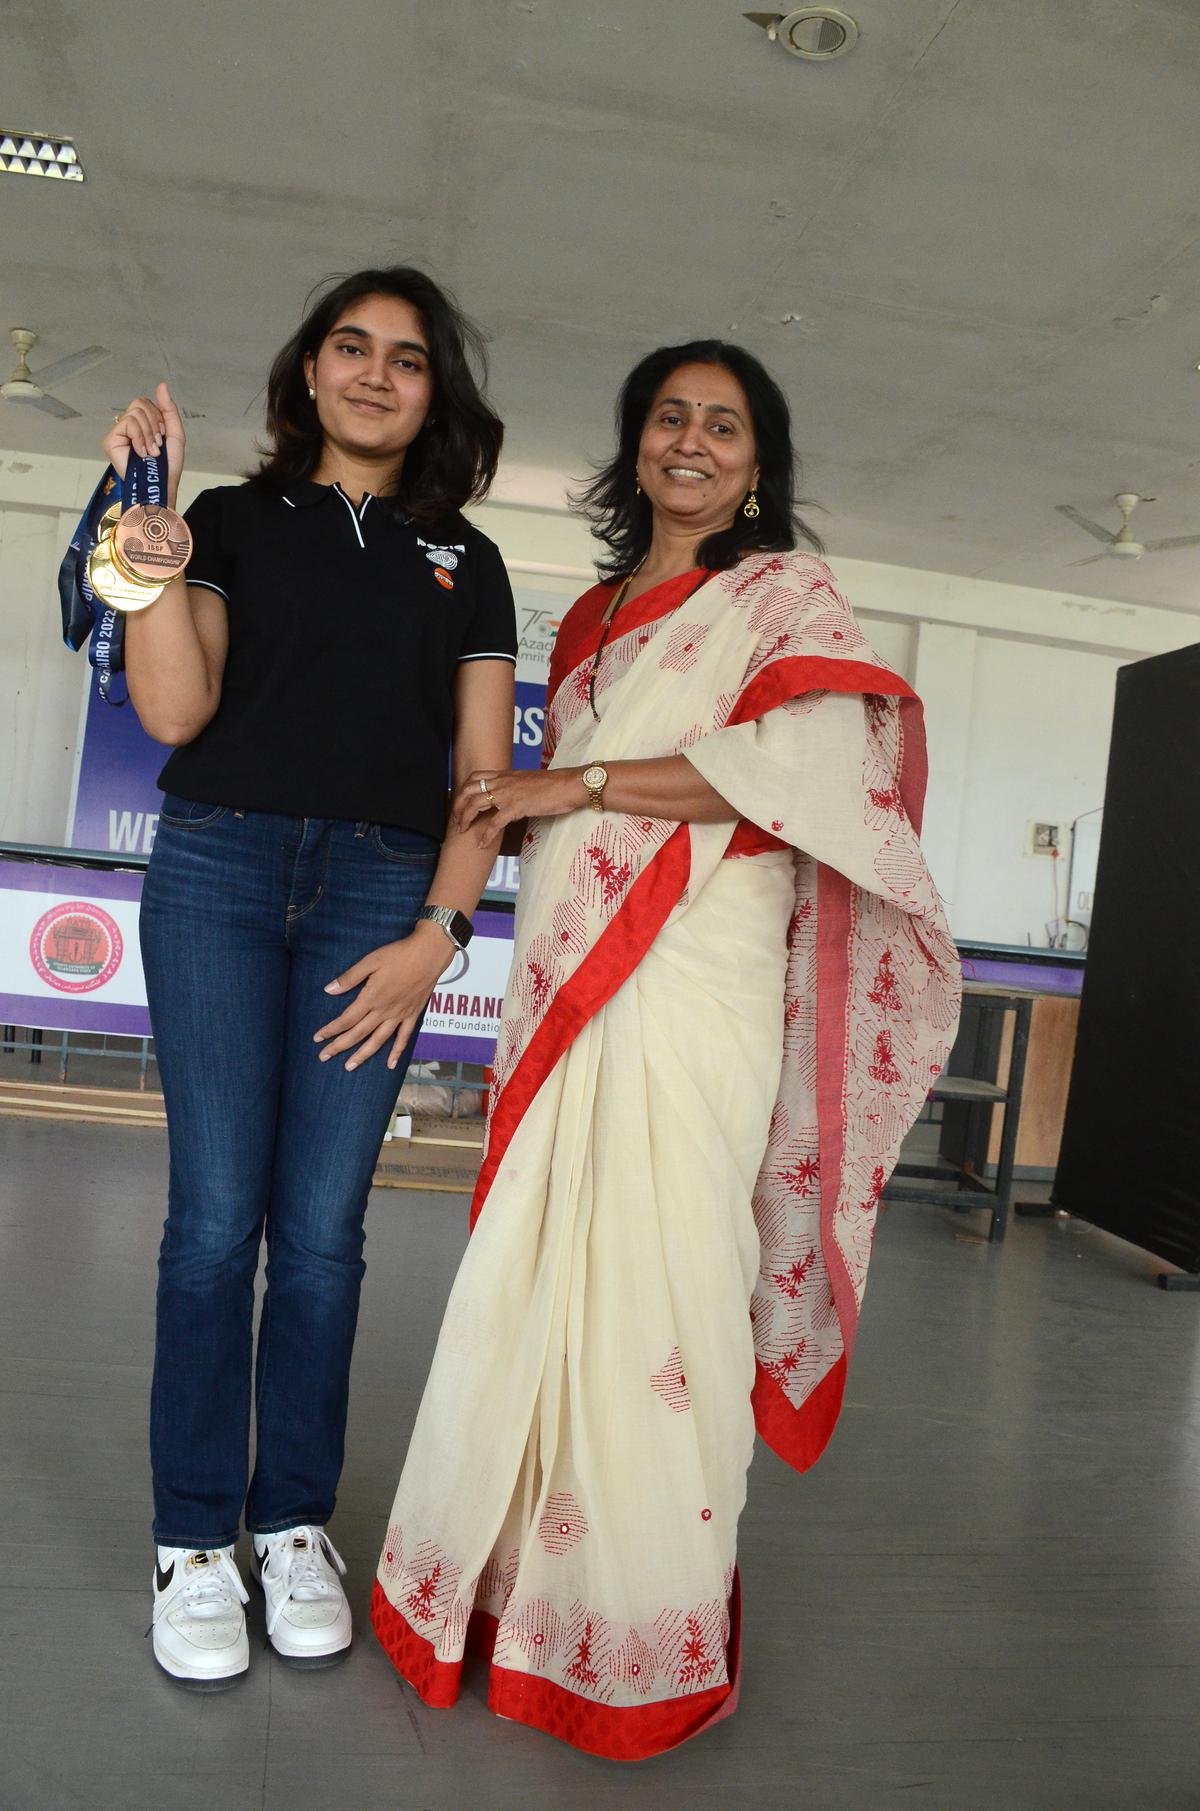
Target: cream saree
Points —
{"points": [[711, 1048]]}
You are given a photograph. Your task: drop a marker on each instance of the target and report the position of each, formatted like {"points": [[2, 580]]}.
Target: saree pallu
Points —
{"points": [[705, 1069]]}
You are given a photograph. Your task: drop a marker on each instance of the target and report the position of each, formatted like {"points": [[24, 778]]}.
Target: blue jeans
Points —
{"points": [[245, 918]]}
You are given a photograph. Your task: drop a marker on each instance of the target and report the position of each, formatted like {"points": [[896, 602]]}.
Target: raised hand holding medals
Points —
{"points": [[142, 544]]}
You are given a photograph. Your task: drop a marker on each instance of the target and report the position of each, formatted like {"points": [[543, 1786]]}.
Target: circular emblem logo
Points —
{"points": [[443, 579], [76, 947], [443, 556]]}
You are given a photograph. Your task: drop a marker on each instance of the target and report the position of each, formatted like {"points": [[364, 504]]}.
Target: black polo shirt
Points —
{"points": [[346, 628]]}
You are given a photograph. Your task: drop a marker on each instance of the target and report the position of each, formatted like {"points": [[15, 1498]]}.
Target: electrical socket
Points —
{"points": [[1043, 839]]}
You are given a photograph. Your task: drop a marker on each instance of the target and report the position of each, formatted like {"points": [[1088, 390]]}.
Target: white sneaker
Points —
{"points": [[198, 1623], [308, 1618]]}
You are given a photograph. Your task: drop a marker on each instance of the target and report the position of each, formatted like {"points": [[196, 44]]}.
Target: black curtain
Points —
{"points": [[1130, 1158]]}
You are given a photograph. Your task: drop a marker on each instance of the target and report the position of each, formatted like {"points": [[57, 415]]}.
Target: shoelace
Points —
{"points": [[214, 1588], [307, 1570]]}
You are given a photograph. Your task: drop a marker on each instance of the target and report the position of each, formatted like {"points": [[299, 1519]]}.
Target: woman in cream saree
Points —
{"points": [[717, 1031]]}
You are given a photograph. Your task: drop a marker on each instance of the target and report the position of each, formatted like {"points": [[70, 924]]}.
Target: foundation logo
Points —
{"points": [[76, 947]]}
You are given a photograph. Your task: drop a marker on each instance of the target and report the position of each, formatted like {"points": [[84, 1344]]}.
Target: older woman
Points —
{"points": [[732, 984]]}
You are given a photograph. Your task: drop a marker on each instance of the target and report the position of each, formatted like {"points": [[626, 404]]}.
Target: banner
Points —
{"points": [[463, 1020], [117, 799], [70, 961], [69, 955]]}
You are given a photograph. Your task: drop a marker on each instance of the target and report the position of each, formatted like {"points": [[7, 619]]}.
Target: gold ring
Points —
{"points": [[116, 418], [490, 799]]}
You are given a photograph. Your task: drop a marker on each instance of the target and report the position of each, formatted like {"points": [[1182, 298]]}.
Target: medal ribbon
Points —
{"points": [[83, 613], [145, 480]]}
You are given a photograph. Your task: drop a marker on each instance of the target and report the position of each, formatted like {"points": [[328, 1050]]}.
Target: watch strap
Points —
{"points": [[595, 792], [456, 924]]}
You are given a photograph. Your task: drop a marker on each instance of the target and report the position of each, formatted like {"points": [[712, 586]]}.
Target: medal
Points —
{"points": [[141, 544], [112, 583], [152, 544]]}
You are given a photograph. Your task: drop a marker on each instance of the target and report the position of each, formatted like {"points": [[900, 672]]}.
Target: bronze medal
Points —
{"points": [[152, 543]]}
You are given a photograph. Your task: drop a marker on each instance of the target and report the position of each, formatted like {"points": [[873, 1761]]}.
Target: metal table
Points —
{"points": [[960, 1185]]}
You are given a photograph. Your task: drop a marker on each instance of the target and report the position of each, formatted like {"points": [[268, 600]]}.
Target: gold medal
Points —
{"points": [[113, 585]]}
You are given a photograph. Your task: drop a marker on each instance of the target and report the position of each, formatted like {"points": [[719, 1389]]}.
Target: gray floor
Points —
{"points": [[984, 1599]]}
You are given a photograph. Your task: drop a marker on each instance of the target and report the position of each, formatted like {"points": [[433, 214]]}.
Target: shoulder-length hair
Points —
{"points": [[453, 459], [621, 517]]}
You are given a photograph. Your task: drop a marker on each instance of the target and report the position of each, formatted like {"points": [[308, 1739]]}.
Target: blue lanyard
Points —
{"points": [[145, 480], [84, 615]]}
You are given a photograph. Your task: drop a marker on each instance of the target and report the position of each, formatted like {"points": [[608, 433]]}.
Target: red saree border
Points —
{"points": [[914, 760], [798, 1433], [835, 930], [616, 1733], [793, 676], [617, 952]]}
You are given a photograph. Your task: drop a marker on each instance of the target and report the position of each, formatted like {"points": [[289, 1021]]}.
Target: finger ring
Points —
{"points": [[116, 418], [483, 787], [488, 796]]}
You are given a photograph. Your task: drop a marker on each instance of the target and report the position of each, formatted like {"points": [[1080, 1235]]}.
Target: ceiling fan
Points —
{"points": [[32, 386], [1122, 544]]}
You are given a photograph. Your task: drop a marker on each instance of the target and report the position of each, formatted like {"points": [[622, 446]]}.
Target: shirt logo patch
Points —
{"points": [[443, 579], [443, 556]]}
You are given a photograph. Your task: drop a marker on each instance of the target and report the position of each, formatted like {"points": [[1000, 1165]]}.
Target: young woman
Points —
{"points": [[732, 984], [340, 637]]}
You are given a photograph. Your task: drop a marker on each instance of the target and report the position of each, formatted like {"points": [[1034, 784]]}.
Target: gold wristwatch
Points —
{"points": [[595, 778]]}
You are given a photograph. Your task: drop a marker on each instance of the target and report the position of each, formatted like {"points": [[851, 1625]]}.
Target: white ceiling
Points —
{"points": [[970, 250]]}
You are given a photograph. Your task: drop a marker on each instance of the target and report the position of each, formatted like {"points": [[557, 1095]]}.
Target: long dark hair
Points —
{"points": [[453, 459], [621, 518]]}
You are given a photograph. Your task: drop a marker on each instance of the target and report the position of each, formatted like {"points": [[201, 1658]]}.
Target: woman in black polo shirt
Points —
{"points": [[341, 638]]}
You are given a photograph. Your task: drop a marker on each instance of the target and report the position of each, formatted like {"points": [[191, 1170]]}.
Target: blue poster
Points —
{"points": [[116, 795]]}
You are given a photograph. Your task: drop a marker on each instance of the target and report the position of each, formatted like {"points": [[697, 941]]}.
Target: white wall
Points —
{"points": [[40, 685], [1017, 684], [1040, 721]]}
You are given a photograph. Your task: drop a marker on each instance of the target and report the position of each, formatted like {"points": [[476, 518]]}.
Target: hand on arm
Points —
{"points": [[175, 650], [667, 786], [395, 981]]}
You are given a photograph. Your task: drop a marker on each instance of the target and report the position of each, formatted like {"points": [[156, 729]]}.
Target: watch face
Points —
{"points": [[595, 776]]}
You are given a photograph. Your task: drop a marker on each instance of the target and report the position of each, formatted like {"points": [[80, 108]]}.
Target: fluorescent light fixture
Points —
{"points": [[39, 154]]}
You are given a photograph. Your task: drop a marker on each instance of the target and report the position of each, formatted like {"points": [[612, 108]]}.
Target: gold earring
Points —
{"points": [[637, 490], [750, 506]]}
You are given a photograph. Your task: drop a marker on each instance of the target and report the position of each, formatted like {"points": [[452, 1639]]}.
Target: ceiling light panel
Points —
{"points": [[39, 154]]}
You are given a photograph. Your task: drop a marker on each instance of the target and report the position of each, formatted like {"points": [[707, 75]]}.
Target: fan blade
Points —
{"points": [[1092, 528], [1179, 540], [74, 366], [1091, 559], [50, 405]]}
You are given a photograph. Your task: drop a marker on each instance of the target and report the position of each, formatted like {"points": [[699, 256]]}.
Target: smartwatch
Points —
{"points": [[457, 925]]}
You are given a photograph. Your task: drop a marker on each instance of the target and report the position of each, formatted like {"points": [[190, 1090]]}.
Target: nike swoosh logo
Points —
{"points": [[163, 1579]]}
